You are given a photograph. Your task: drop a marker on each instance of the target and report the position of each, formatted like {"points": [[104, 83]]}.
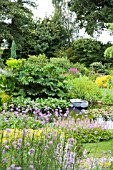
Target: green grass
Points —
{"points": [[97, 149]]}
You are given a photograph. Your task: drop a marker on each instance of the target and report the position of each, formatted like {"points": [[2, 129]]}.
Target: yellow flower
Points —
{"points": [[15, 134], [103, 81], [107, 164]]}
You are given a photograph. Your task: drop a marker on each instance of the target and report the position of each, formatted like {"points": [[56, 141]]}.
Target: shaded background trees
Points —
{"points": [[55, 35]]}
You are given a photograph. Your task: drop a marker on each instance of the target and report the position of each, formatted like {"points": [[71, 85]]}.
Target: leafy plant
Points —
{"points": [[41, 60], [34, 78], [90, 135], [83, 88], [14, 63], [62, 63], [16, 120], [81, 67], [109, 52], [88, 51], [4, 97], [47, 110], [98, 67]]}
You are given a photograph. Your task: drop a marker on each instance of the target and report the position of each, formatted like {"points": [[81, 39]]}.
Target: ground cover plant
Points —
{"points": [[60, 142]]}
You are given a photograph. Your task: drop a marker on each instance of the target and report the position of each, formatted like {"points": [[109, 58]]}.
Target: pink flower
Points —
{"points": [[74, 70], [6, 147], [31, 151], [50, 142], [4, 160]]}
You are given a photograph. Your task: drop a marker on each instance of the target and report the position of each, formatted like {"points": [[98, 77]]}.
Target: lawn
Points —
{"points": [[100, 148]]}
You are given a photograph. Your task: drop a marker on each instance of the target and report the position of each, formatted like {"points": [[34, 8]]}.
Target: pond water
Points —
{"points": [[107, 123]]}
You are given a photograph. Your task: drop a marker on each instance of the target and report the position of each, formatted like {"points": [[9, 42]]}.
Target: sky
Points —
{"points": [[45, 8]]}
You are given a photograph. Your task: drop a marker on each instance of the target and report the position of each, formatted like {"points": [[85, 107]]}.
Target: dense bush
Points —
{"points": [[82, 68], [83, 88], [14, 63], [35, 79], [104, 81], [87, 51], [5, 98], [90, 135], [62, 63], [98, 67]]}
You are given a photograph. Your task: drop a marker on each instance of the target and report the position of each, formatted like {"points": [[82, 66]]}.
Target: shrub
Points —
{"points": [[103, 81], [98, 67], [40, 60], [83, 88], [5, 98], [62, 63], [81, 67], [36, 79], [88, 51], [14, 63], [90, 135], [13, 50]]}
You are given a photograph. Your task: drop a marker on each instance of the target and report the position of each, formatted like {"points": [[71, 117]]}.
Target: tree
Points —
{"points": [[16, 20], [88, 51], [91, 14], [48, 36], [109, 52], [66, 17], [13, 50]]}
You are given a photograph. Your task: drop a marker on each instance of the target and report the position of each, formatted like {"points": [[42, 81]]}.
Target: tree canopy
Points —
{"points": [[15, 16], [91, 14]]}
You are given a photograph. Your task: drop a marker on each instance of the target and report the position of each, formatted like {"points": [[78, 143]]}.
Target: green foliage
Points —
{"points": [[81, 68], [62, 63], [107, 97], [41, 60], [14, 63], [4, 97], [13, 50], [49, 35], [109, 52], [1, 62], [91, 135], [13, 121], [19, 27], [88, 51], [36, 79], [83, 88], [51, 103], [93, 15], [98, 67]]}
